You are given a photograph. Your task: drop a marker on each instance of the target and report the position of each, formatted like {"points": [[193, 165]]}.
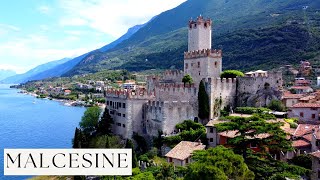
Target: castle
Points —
{"points": [[166, 101]]}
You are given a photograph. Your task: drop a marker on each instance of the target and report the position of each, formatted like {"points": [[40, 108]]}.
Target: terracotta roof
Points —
{"points": [[304, 129], [300, 143], [307, 98], [288, 95], [316, 154], [184, 149], [306, 105], [301, 87]]}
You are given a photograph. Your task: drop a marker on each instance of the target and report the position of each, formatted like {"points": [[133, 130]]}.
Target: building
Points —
{"points": [[289, 99], [318, 81], [181, 154], [306, 112], [165, 101], [302, 89], [315, 165]]}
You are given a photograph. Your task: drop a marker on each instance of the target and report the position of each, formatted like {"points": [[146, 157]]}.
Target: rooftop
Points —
{"points": [[306, 105], [184, 149], [316, 154]]}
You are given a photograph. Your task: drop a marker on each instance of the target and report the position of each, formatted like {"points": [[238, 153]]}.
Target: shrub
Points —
{"points": [[251, 110]]}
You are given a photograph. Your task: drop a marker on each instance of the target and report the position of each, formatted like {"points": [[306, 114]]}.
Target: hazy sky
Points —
{"points": [[33, 32]]}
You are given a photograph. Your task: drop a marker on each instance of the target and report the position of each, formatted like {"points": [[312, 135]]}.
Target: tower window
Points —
{"points": [[191, 64], [198, 64], [205, 25], [195, 25], [215, 64], [186, 65], [199, 73]]}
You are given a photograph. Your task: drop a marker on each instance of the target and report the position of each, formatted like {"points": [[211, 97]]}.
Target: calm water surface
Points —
{"points": [[27, 122]]}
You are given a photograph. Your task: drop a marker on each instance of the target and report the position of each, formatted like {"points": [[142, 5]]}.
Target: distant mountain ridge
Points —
{"points": [[6, 73], [29, 75], [260, 26]]}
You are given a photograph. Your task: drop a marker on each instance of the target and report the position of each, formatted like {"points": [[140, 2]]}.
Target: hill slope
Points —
{"points": [[248, 31], [6, 73], [31, 73]]}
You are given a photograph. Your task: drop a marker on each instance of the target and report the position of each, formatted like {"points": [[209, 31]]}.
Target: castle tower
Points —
{"points": [[201, 61], [199, 34]]}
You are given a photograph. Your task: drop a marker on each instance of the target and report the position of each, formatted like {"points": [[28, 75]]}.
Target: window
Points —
{"points": [[186, 65], [191, 64], [215, 64], [119, 114], [170, 159], [123, 115], [187, 161], [314, 109], [198, 64], [313, 116], [211, 139], [119, 124], [119, 105], [301, 114], [211, 130], [123, 125], [107, 103], [318, 173], [199, 73], [124, 105]]}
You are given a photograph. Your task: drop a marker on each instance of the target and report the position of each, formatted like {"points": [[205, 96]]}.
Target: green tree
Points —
{"points": [[187, 79], [255, 130], [303, 160], [276, 105], [203, 102], [90, 119], [130, 145], [76, 142], [218, 163], [105, 123], [231, 74]]}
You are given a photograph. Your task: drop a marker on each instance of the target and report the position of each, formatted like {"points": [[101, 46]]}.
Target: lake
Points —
{"points": [[28, 122]]}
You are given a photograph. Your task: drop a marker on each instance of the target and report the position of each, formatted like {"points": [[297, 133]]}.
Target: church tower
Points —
{"points": [[201, 61]]}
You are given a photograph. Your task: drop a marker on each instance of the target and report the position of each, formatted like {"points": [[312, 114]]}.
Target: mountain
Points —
{"points": [[6, 73], [127, 35], [29, 75], [252, 33]]}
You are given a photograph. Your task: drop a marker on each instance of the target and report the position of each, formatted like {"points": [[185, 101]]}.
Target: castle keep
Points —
{"points": [[165, 101]]}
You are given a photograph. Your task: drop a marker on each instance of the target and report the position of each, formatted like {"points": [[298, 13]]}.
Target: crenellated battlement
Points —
{"points": [[130, 94], [206, 23], [221, 84], [203, 53]]}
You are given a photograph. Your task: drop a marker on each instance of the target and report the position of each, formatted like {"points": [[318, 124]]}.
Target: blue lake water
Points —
{"points": [[28, 122]]}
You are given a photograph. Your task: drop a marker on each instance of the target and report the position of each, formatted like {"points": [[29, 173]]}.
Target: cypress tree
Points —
{"points": [[76, 139], [105, 123], [203, 102], [130, 145]]}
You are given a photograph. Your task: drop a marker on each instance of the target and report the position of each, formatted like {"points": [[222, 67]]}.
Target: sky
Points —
{"points": [[33, 32]]}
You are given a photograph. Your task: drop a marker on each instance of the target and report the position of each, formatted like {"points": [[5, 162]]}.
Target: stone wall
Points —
{"points": [[222, 92], [259, 91], [164, 115], [199, 67]]}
